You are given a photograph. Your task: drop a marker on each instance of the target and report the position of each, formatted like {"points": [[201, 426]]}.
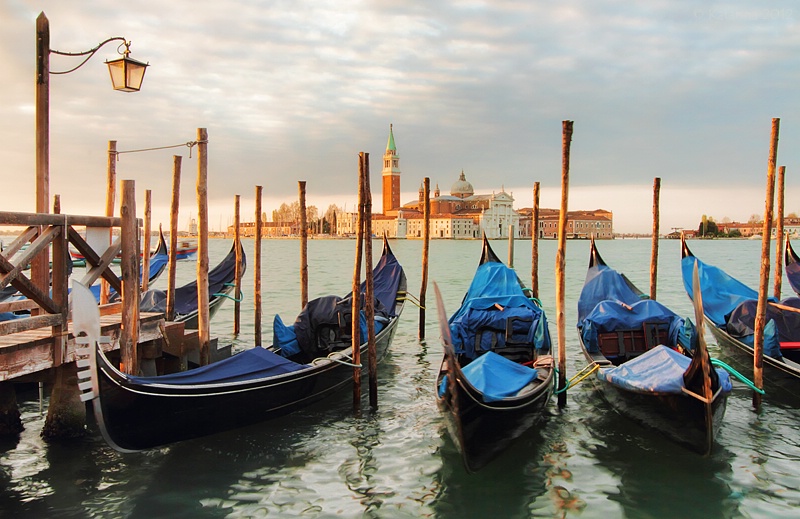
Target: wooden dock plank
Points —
{"points": [[31, 351]]}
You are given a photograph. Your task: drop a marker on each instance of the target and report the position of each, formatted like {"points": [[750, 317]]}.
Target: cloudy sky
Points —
{"points": [[293, 90]]}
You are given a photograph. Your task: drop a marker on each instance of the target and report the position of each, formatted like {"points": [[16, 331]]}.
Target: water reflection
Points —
{"points": [[654, 476]]}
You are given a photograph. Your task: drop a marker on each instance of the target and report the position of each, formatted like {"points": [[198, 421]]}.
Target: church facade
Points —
{"points": [[461, 214]]}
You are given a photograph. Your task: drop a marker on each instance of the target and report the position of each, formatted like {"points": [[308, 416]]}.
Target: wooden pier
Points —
{"points": [[40, 346]]}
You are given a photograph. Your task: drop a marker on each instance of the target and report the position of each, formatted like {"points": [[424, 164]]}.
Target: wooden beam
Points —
{"points": [[20, 240], [39, 244], [28, 289], [16, 218], [30, 323]]}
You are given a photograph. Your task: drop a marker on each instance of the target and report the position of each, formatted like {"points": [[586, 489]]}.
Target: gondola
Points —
{"points": [[220, 284], [138, 413], [791, 263], [497, 375], [730, 307], [651, 365]]}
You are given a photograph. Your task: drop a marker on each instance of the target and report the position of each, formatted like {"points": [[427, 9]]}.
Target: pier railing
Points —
{"points": [[49, 306]]}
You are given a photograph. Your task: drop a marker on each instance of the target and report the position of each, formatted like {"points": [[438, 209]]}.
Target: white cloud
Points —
{"points": [[292, 90]]}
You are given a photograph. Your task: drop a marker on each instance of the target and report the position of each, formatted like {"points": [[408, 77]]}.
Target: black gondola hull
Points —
{"points": [[137, 417], [481, 431], [681, 418], [781, 378]]}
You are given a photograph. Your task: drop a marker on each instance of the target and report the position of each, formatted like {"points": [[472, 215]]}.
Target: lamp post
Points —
{"points": [[126, 75]]}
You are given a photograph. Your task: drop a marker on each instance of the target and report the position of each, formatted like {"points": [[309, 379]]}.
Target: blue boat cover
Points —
{"points": [[792, 269], [658, 370], [604, 283], [186, 296], [609, 302], [329, 310], [732, 306], [495, 376], [252, 364], [721, 292], [494, 299]]}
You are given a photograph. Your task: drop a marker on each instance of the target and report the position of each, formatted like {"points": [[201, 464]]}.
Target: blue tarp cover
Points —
{"points": [[658, 370], [609, 303], [186, 296], [386, 282], [604, 283], [732, 306], [250, 364], [493, 297], [721, 292], [792, 269], [495, 376]]}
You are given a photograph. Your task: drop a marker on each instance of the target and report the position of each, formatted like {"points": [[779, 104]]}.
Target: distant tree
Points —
{"points": [[726, 220], [707, 227], [754, 218], [735, 233]]}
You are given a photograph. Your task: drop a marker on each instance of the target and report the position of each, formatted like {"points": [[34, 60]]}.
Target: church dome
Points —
{"points": [[461, 188]]}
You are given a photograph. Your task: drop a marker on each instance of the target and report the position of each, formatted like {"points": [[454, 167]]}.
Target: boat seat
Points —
{"points": [[626, 344]]}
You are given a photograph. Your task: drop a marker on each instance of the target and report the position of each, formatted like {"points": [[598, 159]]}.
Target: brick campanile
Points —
{"points": [[391, 176]]}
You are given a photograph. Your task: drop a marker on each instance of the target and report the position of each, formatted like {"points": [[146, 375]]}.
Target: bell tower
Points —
{"points": [[391, 177]]}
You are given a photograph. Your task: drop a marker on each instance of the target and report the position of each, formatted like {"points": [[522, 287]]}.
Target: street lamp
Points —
{"points": [[126, 75]]}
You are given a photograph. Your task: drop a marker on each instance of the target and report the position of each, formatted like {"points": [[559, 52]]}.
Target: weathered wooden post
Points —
{"points": [[237, 242], [301, 188], [66, 413], [204, 335], [561, 263], [761, 312], [535, 242], [39, 268], [369, 289], [173, 236], [111, 190], [779, 210], [355, 321], [426, 241], [511, 246], [129, 334], [257, 270], [654, 248], [60, 287], [148, 199]]}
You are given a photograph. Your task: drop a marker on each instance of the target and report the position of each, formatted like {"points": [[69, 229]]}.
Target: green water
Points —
{"points": [[585, 461]]}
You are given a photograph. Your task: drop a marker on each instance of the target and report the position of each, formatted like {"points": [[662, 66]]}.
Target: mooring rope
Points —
{"points": [[579, 377], [747, 382], [189, 144]]}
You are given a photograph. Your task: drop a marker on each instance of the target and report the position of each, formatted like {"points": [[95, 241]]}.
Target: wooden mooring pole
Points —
{"points": [[301, 188], [654, 248], [369, 288], [148, 200], [779, 212], [535, 242], [426, 242], [237, 242], [511, 246], [173, 236], [761, 312], [111, 190], [129, 334], [257, 271], [204, 335], [355, 321], [561, 264]]}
